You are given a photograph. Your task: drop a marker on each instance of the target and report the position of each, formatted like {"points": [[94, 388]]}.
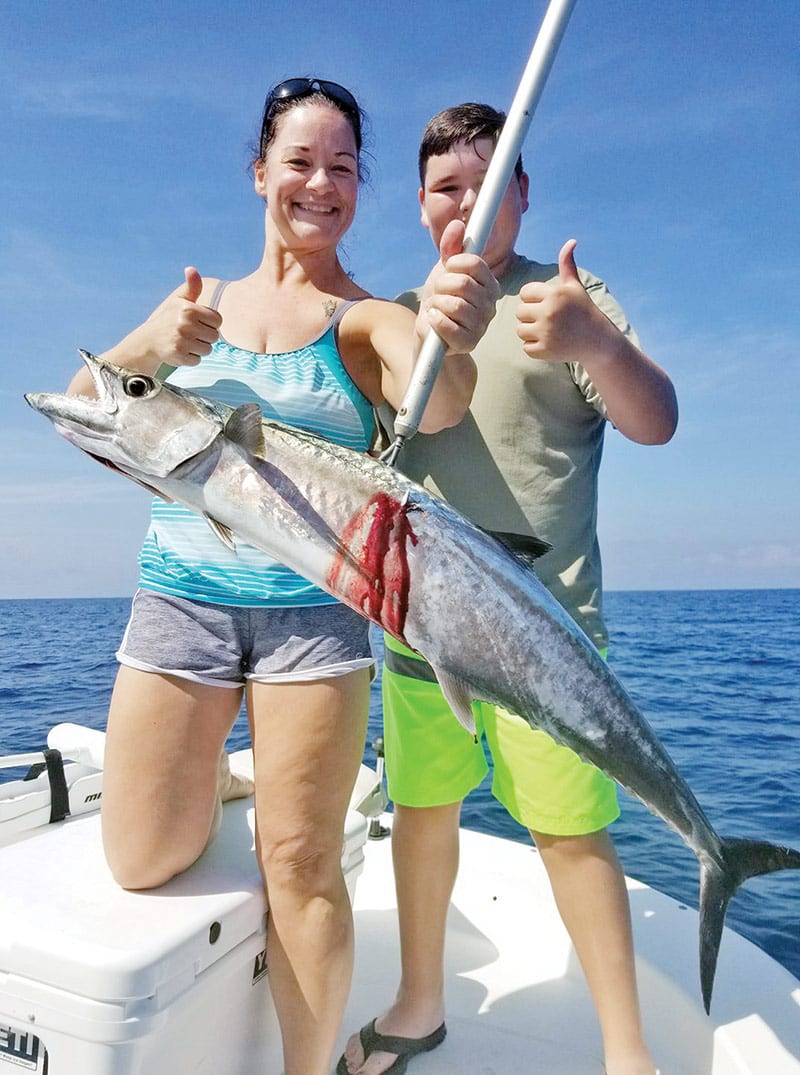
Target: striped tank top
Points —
{"points": [[308, 388]]}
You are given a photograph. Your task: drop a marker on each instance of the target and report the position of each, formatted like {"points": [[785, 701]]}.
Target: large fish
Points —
{"points": [[404, 559]]}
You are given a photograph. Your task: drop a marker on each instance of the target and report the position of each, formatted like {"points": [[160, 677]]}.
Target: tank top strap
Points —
{"points": [[216, 295], [340, 311]]}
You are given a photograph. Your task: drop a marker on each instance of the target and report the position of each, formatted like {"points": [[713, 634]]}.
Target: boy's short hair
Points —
{"points": [[461, 123]]}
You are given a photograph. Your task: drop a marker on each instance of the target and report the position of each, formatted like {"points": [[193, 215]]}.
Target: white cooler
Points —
{"points": [[98, 981]]}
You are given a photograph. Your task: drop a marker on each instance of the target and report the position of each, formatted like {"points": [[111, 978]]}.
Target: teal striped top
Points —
{"points": [[308, 388]]}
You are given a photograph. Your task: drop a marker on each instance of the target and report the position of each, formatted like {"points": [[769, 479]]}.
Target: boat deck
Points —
{"points": [[516, 997]]}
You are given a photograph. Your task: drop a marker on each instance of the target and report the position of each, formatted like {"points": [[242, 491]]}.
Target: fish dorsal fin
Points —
{"points": [[223, 532], [244, 427], [459, 698], [526, 549]]}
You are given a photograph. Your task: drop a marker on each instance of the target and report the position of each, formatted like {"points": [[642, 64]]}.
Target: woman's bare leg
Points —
{"points": [[308, 741], [162, 770]]}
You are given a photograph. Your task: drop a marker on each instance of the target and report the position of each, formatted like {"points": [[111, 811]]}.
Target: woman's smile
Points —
{"points": [[316, 209]]}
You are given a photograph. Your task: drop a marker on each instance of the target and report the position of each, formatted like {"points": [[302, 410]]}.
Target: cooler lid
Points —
{"points": [[65, 922]]}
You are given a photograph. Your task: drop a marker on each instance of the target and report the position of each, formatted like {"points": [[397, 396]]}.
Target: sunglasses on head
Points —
{"points": [[294, 88]]}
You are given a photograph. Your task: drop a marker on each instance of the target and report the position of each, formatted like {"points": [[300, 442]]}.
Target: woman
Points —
{"points": [[209, 627]]}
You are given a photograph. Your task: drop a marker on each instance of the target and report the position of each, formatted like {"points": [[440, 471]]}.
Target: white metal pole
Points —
{"points": [[498, 176]]}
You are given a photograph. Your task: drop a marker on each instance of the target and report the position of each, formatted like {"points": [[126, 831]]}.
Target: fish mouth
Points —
{"points": [[94, 418], [95, 367]]}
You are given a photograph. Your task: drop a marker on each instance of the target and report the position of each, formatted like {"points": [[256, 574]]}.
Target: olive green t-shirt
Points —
{"points": [[525, 458]]}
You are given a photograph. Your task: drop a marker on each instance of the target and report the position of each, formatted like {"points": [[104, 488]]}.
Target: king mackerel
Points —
{"points": [[472, 607]]}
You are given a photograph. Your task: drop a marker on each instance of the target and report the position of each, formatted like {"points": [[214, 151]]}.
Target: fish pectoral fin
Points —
{"points": [[459, 698], [244, 427], [223, 532]]}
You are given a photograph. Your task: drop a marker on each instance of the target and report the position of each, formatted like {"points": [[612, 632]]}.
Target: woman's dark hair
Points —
{"points": [[298, 91]]}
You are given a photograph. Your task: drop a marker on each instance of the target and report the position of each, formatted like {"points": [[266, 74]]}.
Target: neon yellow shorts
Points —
{"points": [[432, 760]]}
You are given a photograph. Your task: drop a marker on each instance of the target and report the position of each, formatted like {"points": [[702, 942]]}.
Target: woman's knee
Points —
{"points": [[301, 866], [139, 859], [144, 867], [143, 872]]}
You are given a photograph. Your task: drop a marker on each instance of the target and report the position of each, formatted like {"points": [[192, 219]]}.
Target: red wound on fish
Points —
{"points": [[371, 573]]}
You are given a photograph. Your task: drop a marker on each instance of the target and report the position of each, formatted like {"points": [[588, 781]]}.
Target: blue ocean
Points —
{"points": [[717, 673]]}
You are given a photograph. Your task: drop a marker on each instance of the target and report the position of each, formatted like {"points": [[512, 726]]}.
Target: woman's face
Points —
{"points": [[310, 176]]}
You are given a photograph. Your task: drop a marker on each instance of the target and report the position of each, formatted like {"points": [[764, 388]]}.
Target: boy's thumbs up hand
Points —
{"points": [[556, 319], [567, 269]]}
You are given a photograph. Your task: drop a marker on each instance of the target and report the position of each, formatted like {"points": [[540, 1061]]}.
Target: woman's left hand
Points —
{"points": [[459, 296]]}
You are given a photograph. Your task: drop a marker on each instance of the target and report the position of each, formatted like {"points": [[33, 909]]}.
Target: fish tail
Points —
{"points": [[719, 880]]}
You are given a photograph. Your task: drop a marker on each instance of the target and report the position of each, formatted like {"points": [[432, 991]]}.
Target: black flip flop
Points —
{"points": [[372, 1041]]}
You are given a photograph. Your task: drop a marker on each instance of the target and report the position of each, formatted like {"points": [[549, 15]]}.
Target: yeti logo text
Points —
{"points": [[19, 1047]]}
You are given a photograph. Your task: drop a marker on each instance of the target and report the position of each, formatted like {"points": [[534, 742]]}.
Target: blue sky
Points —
{"points": [[667, 142]]}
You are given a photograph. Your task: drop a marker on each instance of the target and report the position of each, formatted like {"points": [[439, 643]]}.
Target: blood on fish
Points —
{"points": [[371, 573]]}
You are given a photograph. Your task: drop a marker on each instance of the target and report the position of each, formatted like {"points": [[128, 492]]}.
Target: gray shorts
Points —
{"points": [[224, 645]]}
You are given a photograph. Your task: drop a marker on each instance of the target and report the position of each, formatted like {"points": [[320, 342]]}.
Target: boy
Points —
{"points": [[557, 361]]}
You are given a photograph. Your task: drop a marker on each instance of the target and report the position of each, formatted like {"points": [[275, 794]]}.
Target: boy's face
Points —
{"points": [[452, 182]]}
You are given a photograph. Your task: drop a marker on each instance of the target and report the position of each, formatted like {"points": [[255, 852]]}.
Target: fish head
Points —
{"points": [[137, 424]]}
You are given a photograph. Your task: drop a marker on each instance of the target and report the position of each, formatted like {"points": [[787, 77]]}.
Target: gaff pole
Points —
{"points": [[498, 176]]}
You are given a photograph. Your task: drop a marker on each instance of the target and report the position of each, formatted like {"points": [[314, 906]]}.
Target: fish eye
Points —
{"points": [[138, 386]]}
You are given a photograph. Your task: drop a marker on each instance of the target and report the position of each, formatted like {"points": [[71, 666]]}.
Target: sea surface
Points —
{"points": [[716, 672]]}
